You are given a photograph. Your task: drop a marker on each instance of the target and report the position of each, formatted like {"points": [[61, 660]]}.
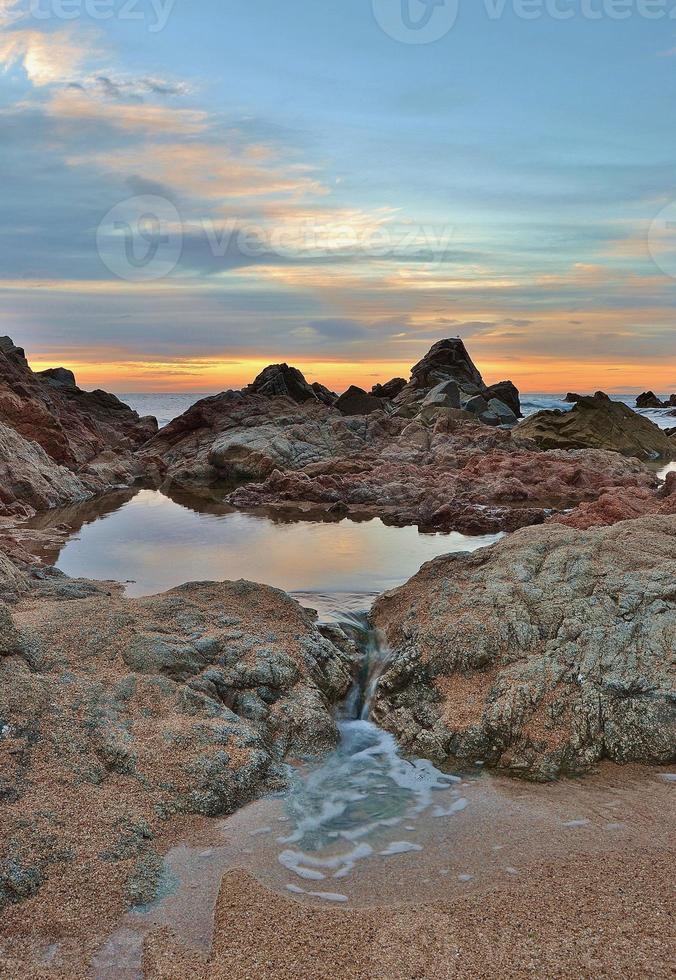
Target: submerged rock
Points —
{"points": [[597, 423], [541, 655]]}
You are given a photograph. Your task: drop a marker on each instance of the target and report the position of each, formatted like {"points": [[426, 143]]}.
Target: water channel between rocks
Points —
{"points": [[364, 826]]}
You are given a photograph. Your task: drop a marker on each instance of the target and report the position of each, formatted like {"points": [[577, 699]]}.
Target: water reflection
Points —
{"points": [[154, 542]]}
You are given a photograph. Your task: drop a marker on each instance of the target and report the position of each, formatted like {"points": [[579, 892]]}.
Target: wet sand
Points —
{"points": [[583, 917], [572, 879]]}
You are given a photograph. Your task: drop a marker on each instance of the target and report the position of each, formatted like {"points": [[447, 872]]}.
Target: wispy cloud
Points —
{"points": [[47, 59]]}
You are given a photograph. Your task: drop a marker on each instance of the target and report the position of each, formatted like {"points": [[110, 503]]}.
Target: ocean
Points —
{"points": [[167, 406]]}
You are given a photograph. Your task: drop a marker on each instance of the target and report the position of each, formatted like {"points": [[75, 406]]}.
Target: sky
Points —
{"points": [[193, 189]]}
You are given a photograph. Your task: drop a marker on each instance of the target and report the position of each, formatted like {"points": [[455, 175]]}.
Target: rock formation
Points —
{"points": [[597, 423], [61, 443], [116, 714], [650, 400], [390, 389], [72, 426], [459, 476], [30, 481], [280, 379], [541, 655], [448, 362]]}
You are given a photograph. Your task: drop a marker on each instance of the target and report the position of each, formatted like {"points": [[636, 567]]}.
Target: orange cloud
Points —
{"points": [[76, 106]]}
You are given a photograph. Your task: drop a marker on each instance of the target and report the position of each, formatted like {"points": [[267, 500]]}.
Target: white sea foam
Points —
{"points": [[400, 847]]}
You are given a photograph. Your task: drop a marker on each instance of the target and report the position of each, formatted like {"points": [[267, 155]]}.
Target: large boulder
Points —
{"points": [[356, 401], [597, 423], [281, 380], [541, 655], [508, 394], [444, 395], [59, 377]]}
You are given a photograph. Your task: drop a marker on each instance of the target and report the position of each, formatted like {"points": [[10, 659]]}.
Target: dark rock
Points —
{"points": [[355, 401], [503, 412], [508, 394], [324, 394], [390, 389], [281, 380], [650, 400], [447, 360], [11, 351], [571, 397], [477, 405], [445, 395], [60, 377]]}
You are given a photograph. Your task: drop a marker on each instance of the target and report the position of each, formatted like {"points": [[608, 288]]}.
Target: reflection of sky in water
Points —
{"points": [[159, 544], [669, 468]]}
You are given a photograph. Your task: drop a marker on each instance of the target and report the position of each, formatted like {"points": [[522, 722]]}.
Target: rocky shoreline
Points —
{"points": [[121, 719]]}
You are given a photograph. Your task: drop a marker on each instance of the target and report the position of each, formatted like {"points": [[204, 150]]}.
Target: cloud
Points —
{"points": [[47, 58], [336, 329], [209, 171], [10, 12], [73, 104]]}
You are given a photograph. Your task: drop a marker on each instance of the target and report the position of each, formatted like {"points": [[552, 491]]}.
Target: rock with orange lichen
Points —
{"points": [[541, 655], [117, 714]]}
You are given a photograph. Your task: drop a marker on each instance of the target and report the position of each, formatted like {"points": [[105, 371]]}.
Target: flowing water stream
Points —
{"points": [[368, 826]]}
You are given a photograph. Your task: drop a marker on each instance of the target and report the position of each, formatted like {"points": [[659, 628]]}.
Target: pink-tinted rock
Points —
{"points": [[71, 425], [622, 504], [461, 480]]}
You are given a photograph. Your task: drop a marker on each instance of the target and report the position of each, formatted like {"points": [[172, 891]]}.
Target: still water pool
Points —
{"points": [[154, 542]]}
